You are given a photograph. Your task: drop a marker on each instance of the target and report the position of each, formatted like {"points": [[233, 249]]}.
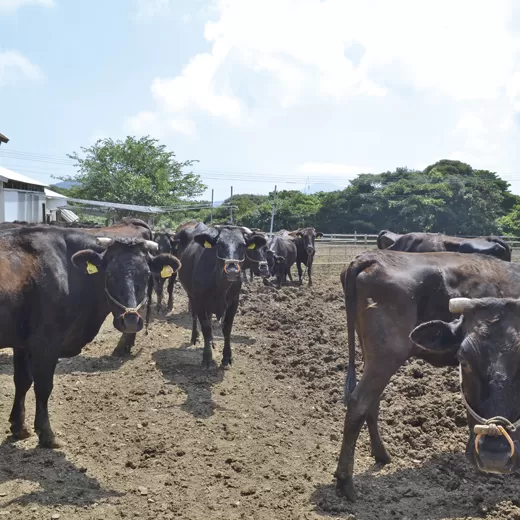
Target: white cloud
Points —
{"points": [[10, 6], [300, 49], [332, 169], [15, 66], [151, 123]]}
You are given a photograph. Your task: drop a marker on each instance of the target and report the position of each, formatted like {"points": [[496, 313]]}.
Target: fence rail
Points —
{"points": [[335, 251]]}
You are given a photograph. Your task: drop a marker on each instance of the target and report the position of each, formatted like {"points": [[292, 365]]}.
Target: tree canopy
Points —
{"points": [[133, 171]]}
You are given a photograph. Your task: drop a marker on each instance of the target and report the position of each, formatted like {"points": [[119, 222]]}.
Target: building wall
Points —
{"points": [[51, 205], [23, 205]]}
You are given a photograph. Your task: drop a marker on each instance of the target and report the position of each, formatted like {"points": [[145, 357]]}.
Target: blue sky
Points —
{"points": [[261, 93]]}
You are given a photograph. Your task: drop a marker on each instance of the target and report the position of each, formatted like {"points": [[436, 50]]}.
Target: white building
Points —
{"points": [[26, 199]]}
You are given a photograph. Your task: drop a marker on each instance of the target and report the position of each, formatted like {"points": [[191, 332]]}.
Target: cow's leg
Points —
{"points": [[289, 274], [149, 303], [43, 364], [378, 448], [207, 332], [22, 382], [309, 269], [226, 329], [367, 393], [251, 274], [299, 267], [244, 276], [171, 284], [159, 289], [194, 330], [125, 344]]}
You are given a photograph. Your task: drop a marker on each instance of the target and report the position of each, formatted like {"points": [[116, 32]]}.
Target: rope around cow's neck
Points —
{"points": [[493, 427]]}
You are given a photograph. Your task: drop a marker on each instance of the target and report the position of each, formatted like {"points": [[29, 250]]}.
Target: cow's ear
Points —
{"points": [[88, 260], [206, 240], [319, 234], [164, 265], [438, 336], [256, 241]]}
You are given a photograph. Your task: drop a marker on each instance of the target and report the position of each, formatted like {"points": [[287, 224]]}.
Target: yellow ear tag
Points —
{"points": [[167, 271], [207, 245], [299, 236], [251, 246], [317, 238], [91, 268]]}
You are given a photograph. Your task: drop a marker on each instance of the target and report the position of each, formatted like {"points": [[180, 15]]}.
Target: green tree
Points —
{"points": [[133, 171]]}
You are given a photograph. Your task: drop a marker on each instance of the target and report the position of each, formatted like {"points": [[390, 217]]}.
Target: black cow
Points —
{"points": [[281, 256], [211, 277], [486, 343], [436, 242], [387, 295], [306, 250], [169, 245], [57, 286]]}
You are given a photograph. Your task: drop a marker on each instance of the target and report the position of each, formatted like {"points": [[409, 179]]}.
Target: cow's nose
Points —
{"points": [[310, 250], [264, 269], [132, 322], [494, 455]]}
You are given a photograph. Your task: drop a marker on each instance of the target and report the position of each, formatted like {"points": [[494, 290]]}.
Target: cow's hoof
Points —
{"points": [[382, 457], [50, 442], [208, 363], [194, 339], [20, 432], [345, 488], [170, 307], [121, 351], [226, 363]]}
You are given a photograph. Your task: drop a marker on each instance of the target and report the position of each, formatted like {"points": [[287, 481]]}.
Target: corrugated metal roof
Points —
{"points": [[53, 194], [68, 215], [13, 176], [117, 205]]}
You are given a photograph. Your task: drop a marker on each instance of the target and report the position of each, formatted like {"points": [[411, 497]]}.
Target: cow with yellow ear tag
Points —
{"points": [[305, 244], [213, 263]]}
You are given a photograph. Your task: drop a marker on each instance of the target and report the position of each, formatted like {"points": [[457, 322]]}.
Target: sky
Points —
{"points": [[285, 92]]}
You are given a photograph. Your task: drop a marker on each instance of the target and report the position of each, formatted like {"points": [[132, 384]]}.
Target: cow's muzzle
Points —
{"points": [[310, 250], [263, 268], [129, 321]]}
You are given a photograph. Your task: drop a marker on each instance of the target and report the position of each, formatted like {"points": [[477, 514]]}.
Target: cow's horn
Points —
{"points": [[104, 241], [459, 305], [151, 245]]}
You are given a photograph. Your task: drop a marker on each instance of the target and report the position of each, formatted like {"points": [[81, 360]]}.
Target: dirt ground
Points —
{"points": [[156, 436]]}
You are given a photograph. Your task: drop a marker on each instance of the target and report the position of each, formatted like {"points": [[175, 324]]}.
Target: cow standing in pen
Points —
{"points": [[390, 293], [305, 249], [57, 286], [211, 277], [437, 242]]}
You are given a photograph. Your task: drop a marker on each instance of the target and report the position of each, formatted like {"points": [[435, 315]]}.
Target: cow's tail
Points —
{"points": [[348, 281]]}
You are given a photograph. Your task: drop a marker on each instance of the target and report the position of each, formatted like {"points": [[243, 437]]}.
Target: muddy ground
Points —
{"points": [[156, 436]]}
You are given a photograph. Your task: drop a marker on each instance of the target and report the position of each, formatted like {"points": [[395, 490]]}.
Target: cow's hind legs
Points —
{"points": [[360, 404], [378, 448], [227, 325], [22, 381]]}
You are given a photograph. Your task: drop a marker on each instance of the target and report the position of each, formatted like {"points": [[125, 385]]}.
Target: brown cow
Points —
{"points": [[388, 294]]}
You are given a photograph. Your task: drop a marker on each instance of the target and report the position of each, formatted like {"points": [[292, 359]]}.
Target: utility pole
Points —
{"points": [[231, 206], [272, 214], [212, 194]]}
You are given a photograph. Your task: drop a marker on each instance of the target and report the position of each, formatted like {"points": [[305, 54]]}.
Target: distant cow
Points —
{"points": [[211, 277], [436, 242], [281, 256], [167, 244], [126, 227], [57, 286], [387, 295], [260, 267], [486, 342], [306, 250]]}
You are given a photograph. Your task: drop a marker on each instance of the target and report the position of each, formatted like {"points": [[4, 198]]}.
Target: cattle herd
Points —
{"points": [[454, 304]]}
